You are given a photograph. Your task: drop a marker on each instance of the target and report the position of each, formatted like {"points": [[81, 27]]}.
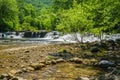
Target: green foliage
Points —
{"points": [[8, 15], [94, 16]]}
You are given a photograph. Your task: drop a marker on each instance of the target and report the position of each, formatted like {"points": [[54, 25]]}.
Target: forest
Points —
{"points": [[93, 16]]}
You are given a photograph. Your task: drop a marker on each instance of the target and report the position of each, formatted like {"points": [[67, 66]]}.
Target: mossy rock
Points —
{"points": [[62, 51]]}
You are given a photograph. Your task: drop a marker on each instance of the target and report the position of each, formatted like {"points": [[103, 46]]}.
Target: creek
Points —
{"points": [[52, 37]]}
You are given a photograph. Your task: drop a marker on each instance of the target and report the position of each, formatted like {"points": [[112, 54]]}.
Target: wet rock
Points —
{"points": [[94, 49], [76, 60], [105, 64]]}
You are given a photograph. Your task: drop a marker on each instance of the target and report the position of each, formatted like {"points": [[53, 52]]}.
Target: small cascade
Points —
{"points": [[32, 34], [52, 35], [70, 38], [42, 34], [1, 35], [14, 35], [56, 36], [27, 34], [76, 37], [113, 37]]}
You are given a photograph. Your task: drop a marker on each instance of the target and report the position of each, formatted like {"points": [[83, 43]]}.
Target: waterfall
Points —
{"points": [[52, 35], [55, 36]]}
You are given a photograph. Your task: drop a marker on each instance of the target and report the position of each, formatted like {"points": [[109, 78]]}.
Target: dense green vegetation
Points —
{"points": [[64, 15]]}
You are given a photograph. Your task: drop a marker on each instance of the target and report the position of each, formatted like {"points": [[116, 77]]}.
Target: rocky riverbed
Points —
{"points": [[89, 61]]}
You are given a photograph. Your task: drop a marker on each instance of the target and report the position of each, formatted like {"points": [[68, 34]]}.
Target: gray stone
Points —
{"points": [[105, 64]]}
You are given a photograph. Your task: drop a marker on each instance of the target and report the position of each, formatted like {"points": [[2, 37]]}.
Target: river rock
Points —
{"points": [[60, 60], [37, 66], [76, 60], [53, 62], [28, 69], [16, 72], [48, 62], [105, 64]]}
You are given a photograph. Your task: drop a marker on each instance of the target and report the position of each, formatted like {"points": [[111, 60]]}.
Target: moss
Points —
{"points": [[62, 51], [49, 57]]}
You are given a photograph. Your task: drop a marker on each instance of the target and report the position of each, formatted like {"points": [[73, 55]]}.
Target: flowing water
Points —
{"points": [[53, 37]]}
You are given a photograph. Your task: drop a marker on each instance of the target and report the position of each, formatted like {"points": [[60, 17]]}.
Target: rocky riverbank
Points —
{"points": [[89, 61]]}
